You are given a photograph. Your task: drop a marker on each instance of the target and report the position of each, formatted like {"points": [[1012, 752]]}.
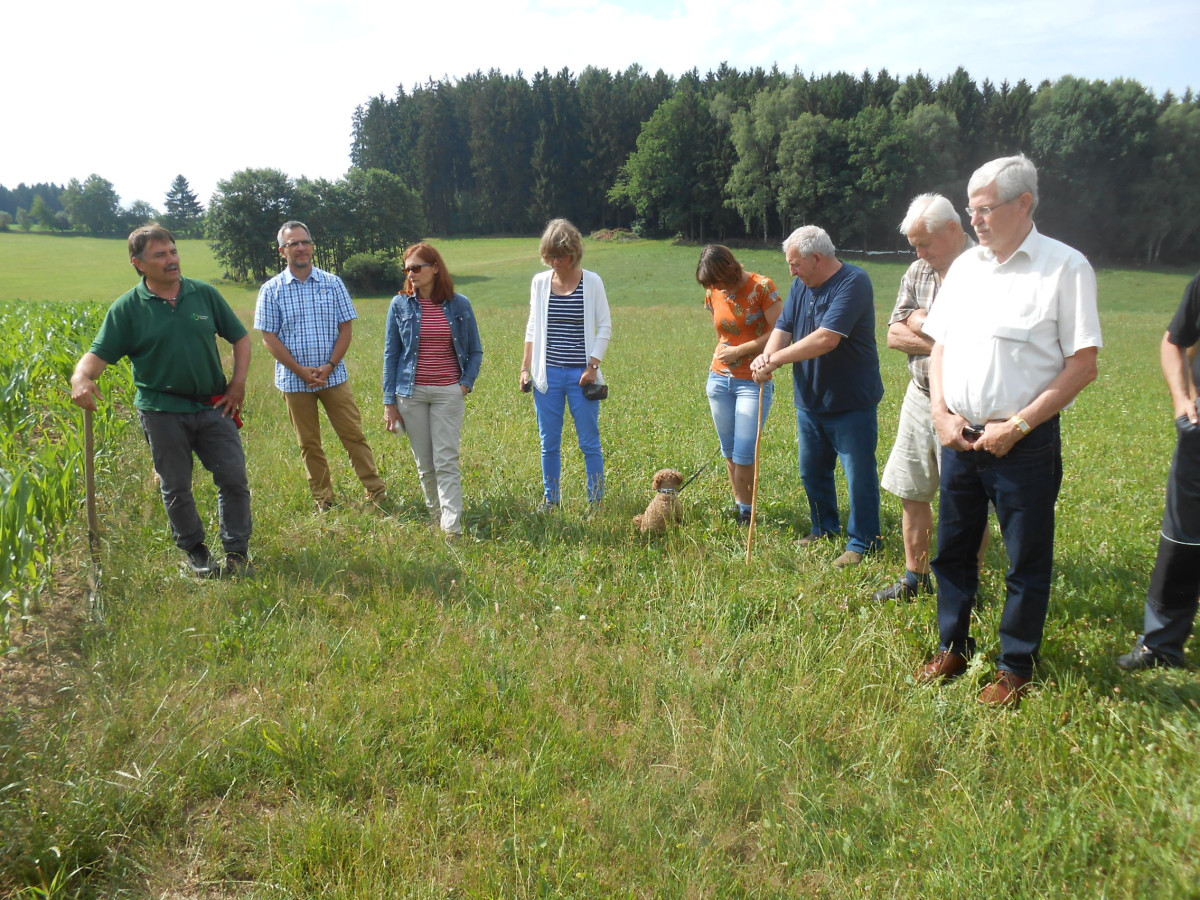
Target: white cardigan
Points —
{"points": [[597, 325]]}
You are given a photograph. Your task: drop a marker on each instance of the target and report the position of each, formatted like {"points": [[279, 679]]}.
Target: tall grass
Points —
{"points": [[560, 707]]}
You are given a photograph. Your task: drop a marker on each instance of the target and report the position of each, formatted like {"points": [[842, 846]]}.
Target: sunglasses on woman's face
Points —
{"points": [[416, 267]]}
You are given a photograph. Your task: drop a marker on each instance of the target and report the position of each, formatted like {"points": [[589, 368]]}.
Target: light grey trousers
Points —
{"points": [[433, 418]]}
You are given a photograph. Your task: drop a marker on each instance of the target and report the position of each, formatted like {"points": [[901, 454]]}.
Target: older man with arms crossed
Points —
{"points": [[307, 318], [837, 387], [1016, 334], [935, 232], [168, 326]]}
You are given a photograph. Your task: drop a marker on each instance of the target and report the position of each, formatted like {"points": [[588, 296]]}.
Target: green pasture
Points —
{"points": [[560, 707]]}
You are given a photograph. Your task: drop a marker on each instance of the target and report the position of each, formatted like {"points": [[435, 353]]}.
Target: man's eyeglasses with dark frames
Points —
{"points": [[985, 211]]}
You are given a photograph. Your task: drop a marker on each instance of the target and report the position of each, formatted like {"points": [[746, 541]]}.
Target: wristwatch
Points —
{"points": [[1021, 424], [593, 365]]}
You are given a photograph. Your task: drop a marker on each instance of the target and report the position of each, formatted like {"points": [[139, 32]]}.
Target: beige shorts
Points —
{"points": [[913, 467]]}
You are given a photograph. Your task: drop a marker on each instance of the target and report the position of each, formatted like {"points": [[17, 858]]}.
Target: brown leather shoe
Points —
{"points": [[946, 665], [847, 559], [1006, 690], [808, 540]]}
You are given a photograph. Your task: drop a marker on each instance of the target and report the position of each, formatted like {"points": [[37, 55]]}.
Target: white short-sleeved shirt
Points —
{"points": [[1007, 328]]}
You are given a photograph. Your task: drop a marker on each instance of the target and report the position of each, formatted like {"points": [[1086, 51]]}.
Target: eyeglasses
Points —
{"points": [[291, 245], [985, 211], [417, 267]]}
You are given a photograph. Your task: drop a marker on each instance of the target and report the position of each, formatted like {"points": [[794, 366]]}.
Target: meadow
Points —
{"points": [[558, 706]]}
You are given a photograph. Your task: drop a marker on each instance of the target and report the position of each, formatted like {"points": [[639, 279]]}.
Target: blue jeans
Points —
{"points": [[1024, 488], [734, 405], [564, 390], [851, 436], [214, 438]]}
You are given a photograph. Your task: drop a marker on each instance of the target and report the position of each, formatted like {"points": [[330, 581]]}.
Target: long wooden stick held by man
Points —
{"points": [[754, 490], [95, 600]]}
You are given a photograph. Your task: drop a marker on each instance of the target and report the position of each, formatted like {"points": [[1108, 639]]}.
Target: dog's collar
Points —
{"points": [[668, 490]]}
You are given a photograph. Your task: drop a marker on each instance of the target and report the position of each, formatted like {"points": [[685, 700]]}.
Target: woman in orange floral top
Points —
{"points": [[744, 308]]}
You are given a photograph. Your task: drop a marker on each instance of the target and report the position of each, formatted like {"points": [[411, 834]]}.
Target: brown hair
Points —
{"points": [[140, 237], [443, 284], [718, 268]]}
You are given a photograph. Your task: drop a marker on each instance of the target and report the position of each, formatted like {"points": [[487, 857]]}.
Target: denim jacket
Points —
{"points": [[403, 337]]}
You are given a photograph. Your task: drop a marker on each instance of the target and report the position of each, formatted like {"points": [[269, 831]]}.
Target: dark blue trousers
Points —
{"points": [[1024, 487]]}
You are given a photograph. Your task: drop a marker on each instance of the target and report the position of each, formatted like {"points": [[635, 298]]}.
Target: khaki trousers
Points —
{"points": [[346, 420]]}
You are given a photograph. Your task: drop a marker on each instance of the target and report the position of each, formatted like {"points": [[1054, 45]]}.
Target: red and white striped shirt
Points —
{"points": [[437, 363]]}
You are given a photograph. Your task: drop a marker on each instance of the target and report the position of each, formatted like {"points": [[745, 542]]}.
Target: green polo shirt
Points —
{"points": [[173, 348]]}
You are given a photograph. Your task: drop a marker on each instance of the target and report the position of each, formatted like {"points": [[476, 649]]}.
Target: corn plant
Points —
{"points": [[41, 442]]}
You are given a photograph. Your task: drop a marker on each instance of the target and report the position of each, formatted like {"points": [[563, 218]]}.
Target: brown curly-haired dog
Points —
{"points": [[665, 508]]}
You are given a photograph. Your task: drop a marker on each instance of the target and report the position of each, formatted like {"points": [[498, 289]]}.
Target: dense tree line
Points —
{"points": [[368, 213], [23, 196], [733, 153], [93, 207], [717, 156]]}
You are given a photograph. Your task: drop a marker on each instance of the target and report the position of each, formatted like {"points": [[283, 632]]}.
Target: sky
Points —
{"points": [[204, 90]]}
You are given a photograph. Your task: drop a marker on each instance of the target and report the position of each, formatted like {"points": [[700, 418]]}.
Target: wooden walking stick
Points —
{"points": [[95, 599], [754, 490]]}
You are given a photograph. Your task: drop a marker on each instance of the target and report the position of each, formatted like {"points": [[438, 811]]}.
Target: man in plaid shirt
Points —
{"points": [[306, 318], [934, 230]]}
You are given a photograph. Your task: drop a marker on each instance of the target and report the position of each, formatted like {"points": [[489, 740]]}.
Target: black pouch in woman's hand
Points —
{"points": [[595, 391]]}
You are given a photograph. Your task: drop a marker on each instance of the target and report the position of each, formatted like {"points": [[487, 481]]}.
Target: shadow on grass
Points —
{"points": [[358, 576], [1110, 599]]}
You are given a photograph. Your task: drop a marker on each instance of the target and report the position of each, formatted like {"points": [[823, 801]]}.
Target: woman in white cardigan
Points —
{"points": [[565, 340]]}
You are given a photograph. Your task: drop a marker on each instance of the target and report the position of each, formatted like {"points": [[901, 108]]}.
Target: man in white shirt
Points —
{"points": [[1017, 333]]}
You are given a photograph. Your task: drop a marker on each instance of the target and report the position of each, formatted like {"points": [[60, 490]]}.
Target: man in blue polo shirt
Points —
{"points": [[306, 318], [827, 330]]}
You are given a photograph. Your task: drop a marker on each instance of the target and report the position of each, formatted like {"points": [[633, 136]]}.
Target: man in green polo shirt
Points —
{"points": [[168, 326]]}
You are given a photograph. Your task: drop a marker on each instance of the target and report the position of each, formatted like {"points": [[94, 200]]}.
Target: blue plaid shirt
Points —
{"points": [[305, 315]]}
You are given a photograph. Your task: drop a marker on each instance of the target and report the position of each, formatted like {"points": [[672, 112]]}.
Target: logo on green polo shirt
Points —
{"points": [[196, 317]]}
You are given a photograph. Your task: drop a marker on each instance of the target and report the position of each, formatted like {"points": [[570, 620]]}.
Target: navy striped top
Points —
{"points": [[564, 329]]}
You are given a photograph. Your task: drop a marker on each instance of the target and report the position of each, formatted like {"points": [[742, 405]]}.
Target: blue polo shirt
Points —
{"points": [[847, 377]]}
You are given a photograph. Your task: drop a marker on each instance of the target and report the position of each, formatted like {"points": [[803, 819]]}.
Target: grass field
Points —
{"points": [[560, 707]]}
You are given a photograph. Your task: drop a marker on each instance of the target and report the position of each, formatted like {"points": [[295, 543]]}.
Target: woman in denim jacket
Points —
{"points": [[431, 358]]}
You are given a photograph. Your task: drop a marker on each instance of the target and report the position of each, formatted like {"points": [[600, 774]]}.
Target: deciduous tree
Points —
{"points": [[243, 217], [93, 206], [670, 178], [140, 213], [42, 213]]}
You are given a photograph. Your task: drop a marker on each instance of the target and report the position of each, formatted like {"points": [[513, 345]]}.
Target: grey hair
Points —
{"points": [[288, 226], [1013, 176], [931, 210], [810, 240]]}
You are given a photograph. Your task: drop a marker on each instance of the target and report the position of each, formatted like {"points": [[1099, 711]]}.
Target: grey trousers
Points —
{"points": [[433, 418], [215, 441]]}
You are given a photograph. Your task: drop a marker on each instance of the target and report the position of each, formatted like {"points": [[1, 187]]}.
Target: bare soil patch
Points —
{"points": [[41, 665]]}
